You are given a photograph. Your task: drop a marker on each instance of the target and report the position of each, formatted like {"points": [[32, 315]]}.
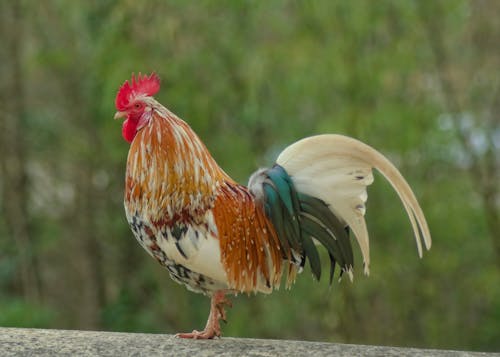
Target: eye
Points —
{"points": [[137, 105]]}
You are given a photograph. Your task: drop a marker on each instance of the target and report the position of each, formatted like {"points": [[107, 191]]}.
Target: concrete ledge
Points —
{"points": [[37, 342]]}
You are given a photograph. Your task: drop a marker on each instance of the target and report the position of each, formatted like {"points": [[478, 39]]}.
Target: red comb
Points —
{"points": [[143, 84]]}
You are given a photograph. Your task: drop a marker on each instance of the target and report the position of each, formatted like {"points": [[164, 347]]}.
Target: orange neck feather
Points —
{"points": [[170, 172]]}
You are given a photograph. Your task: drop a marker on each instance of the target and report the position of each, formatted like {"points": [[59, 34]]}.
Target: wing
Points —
{"points": [[250, 249]]}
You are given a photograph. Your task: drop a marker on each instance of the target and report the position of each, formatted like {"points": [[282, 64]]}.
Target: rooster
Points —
{"points": [[218, 237]]}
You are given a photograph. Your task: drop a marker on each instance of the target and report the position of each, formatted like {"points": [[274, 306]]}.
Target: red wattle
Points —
{"points": [[129, 130]]}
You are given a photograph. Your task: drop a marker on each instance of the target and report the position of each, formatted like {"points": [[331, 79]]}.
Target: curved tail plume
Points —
{"points": [[337, 169]]}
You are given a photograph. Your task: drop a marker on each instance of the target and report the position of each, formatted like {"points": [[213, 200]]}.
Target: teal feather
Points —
{"points": [[284, 186], [274, 212], [298, 218]]}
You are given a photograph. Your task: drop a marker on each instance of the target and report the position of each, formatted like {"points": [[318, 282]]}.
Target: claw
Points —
{"points": [[217, 312], [206, 334]]}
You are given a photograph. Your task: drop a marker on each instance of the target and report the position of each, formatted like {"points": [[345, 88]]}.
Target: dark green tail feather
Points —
{"points": [[287, 194], [319, 209], [281, 219], [298, 218]]}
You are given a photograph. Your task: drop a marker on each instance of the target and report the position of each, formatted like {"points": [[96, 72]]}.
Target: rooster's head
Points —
{"points": [[134, 99]]}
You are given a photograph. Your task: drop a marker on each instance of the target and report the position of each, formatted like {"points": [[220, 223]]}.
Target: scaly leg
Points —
{"points": [[217, 312]]}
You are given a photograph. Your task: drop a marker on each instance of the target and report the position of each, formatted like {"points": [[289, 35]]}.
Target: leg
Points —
{"points": [[217, 312]]}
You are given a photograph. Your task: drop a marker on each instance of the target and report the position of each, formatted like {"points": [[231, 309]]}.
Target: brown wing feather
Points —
{"points": [[249, 245]]}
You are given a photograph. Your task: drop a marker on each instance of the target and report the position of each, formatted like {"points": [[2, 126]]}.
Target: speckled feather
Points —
{"points": [[192, 215]]}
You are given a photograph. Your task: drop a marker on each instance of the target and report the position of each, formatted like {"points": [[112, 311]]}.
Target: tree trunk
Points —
{"points": [[14, 180], [483, 169]]}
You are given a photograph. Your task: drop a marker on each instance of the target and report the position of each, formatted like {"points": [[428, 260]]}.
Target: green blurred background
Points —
{"points": [[418, 80]]}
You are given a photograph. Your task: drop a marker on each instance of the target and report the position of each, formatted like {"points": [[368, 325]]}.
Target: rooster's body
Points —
{"points": [[218, 237]]}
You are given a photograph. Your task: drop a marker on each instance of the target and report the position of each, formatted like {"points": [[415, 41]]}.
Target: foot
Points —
{"points": [[217, 312], [206, 334]]}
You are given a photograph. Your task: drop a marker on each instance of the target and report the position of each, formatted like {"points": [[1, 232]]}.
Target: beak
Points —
{"points": [[119, 115]]}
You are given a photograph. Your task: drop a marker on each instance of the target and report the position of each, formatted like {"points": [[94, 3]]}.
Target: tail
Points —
{"points": [[335, 170]]}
